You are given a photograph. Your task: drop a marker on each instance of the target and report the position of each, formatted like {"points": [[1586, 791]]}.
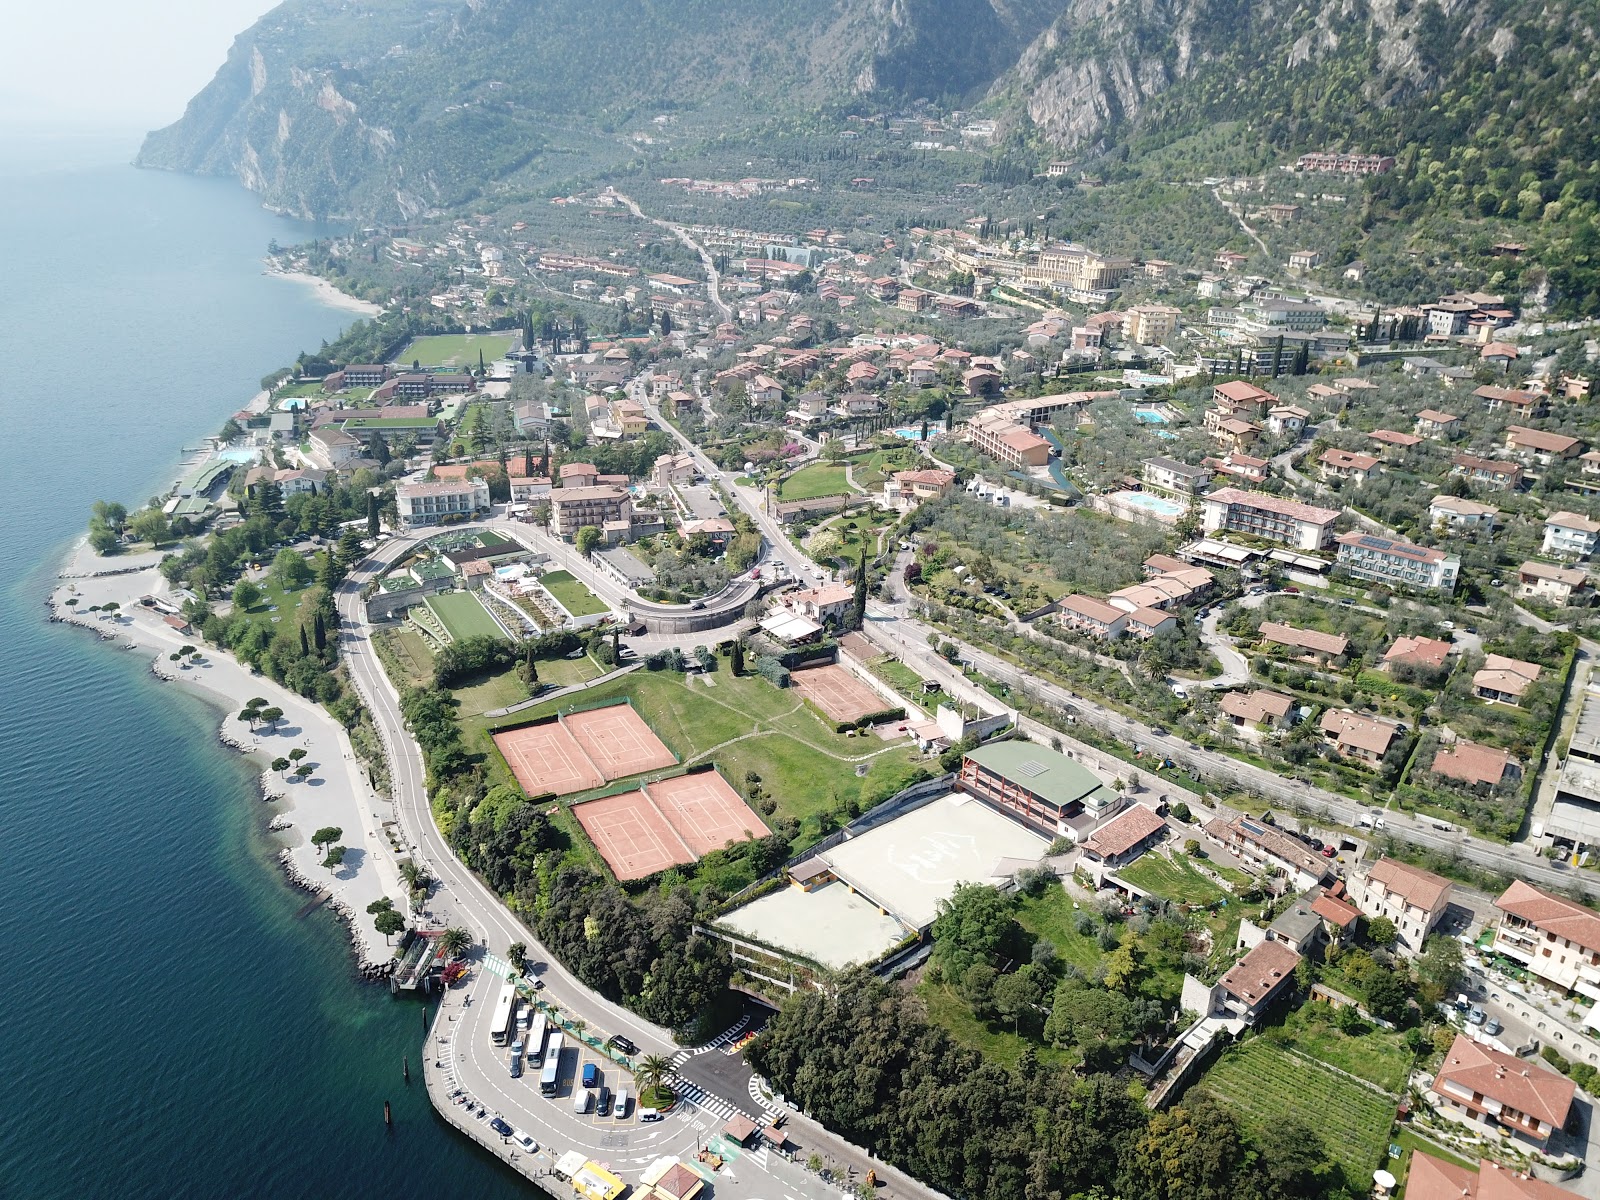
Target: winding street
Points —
{"points": [[713, 279]]}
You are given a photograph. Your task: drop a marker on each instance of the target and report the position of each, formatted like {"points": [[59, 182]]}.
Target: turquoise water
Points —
{"points": [[912, 433], [172, 1029], [1146, 416], [1154, 503]]}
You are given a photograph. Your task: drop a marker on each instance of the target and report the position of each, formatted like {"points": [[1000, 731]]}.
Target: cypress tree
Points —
{"points": [[736, 659], [319, 632], [372, 516], [858, 609], [305, 645]]}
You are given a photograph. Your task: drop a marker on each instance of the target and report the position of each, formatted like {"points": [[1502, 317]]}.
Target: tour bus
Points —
{"points": [[536, 1036], [505, 1011], [551, 1074]]}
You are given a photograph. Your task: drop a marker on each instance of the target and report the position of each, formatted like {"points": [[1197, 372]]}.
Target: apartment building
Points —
{"points": [[1152, 324], [996, 433], [1504, 1092], [419, 504], [1269, 849], [1094, 617], [571, 508], [1170, 475], [1570, 535], [1555, 938], [1295, 524], [1330, 162], [1398, 564], [1414, 899]]}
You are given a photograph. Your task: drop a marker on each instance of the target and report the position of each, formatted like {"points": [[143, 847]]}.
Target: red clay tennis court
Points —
{"points": [[617, 741], [668, 823], [705, 811], [546, 758], [631, 835], [837, 693]]}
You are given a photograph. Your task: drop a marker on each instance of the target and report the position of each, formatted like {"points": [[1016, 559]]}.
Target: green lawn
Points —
{"points": [[462, 615], [1174, 879], [490, 692], [1379, 1056], [574, 597], [276, 608], [455, 349], [904, 681], [412, 654], [1054, 917], [1264, 1083], [743, 725], [955, 1015], [818, 479]]}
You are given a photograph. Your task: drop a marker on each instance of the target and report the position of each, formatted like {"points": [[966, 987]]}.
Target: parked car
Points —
{"points": [[1493, 1027], [500, 1127], [1476, 1015], [591, 1075], [621, 1043]]}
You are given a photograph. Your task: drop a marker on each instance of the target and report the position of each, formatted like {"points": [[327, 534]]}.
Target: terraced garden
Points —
{"points": [[1172, 878], [1264, 1084]]}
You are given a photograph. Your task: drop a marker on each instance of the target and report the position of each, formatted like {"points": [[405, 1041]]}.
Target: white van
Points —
{"points": [[649, 1114], [620, 1105], [582, 1100]]}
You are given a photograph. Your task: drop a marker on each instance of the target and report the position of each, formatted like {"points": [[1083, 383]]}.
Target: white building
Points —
{"points": [[421, 504], [1295, 524], [1556, 939], [1412, 898], [1570, 535], [1457, 512], [1398, 564]]}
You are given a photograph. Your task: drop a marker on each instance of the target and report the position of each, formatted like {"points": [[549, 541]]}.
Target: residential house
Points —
{"points": [[812, 406], [980, 381], [1425, 653], [1249, 989], [1431, 423], [1359, 736], [1523, 404], [1457, 512], [1286, 420], [1550, 584], [1473, 764], [1304, 260], [1413, 899], [1124, 838], [1314, 645], [1497, 354], [1257, 710], [305, 481], [1236, 395], [829, 603], [674, 469], [579, 475], [1170, 475], [1094, 617], [1347, 465], [1268, 848], [1502, 1091], [1397, 564], [531, 418], [1587, 481], [1505, 680], [1393, 442], [1554, 938], [1165, 591], [1041, 788], [419, 504], [764, 390], [922, 373], [859, 404], [1541, 446], [1235, 434], [1152, 324], [1146, 623], [1239, 466], [1338, 915], [629, 417], [905, 490], [1433, 1178], [1570, 535], [1295, 524], [1502, 476]]}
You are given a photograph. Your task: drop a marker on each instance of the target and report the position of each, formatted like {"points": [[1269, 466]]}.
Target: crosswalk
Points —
{"points": [[722, 1039], [693, 1093]]}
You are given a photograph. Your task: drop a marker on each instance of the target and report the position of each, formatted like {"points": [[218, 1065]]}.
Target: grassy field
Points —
{"points": [[1379, 1056], [1174, 879], [743, 725], [818, 479], [1054, 917], [575, 598], [906, 682], [1264, 1083], [411, 653], [462, 615], [456, 349], [947, 1009]]}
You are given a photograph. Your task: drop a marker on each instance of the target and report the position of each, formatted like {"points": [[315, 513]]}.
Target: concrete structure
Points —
{"points": [[1179, 478], [419, 504], [1397, 564], [819, 918], [1412, 898], [572, 508], [1043, 789], [1295, 524], [1501, 1091], [1570, 535], [1555, 938], [1550, 584]]}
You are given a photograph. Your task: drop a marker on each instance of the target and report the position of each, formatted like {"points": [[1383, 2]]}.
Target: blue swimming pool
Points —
{"points": [[1159, 505], [1148, 416], [912, 433]]}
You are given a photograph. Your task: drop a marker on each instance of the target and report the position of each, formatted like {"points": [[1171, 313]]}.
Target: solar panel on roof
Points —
{"points": [[1032, 768], [1248, 827]]}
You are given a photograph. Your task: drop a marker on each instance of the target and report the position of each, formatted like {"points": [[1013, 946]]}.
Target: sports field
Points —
{"points": [[456, 349], [462, 615], [617, 741], [546, 759], [811, 482], [671, 822], [837, 692]]}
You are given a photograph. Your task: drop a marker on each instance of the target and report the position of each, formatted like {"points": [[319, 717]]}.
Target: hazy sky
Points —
{"points": [[114, 63]]}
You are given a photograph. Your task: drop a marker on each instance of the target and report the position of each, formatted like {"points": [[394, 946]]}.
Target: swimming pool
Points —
{"points": [[1148, 416], [239, 455], [1159, 505], [1168, 434], [913, 433]]}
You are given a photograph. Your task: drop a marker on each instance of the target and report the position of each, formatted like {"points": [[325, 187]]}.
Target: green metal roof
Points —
{"points": [[1050, 776]]}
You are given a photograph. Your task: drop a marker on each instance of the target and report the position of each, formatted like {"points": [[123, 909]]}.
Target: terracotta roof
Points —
{"points": [[1125, 831], [1472, 763], [1372, 734], [1274, 504], [1304, 639], [1241, 392], [1463, 507], [1572, 520], [1552, 914], [572, 469], [1347, 460], [1539, 439], [1509, 675], [570, 495], [1088, 606], [1412, 884], [1335, 911], [1474, 462], [1395, 438], [1255, 976], [1437, 417], [1571, 576], [1434, 1179], [1256, 706], [1515, 1082], [1418, 651]]}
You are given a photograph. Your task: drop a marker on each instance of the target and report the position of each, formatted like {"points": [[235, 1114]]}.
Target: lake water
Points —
{"points": [[172, 1029]]}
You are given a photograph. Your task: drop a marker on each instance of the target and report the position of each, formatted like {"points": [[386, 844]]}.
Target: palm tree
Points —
{"points": [[651, 1072], [455, 941], [578, 1026]]}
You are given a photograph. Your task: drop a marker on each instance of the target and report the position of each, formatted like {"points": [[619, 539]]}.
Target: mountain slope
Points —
{"points": [[333, 106]]}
